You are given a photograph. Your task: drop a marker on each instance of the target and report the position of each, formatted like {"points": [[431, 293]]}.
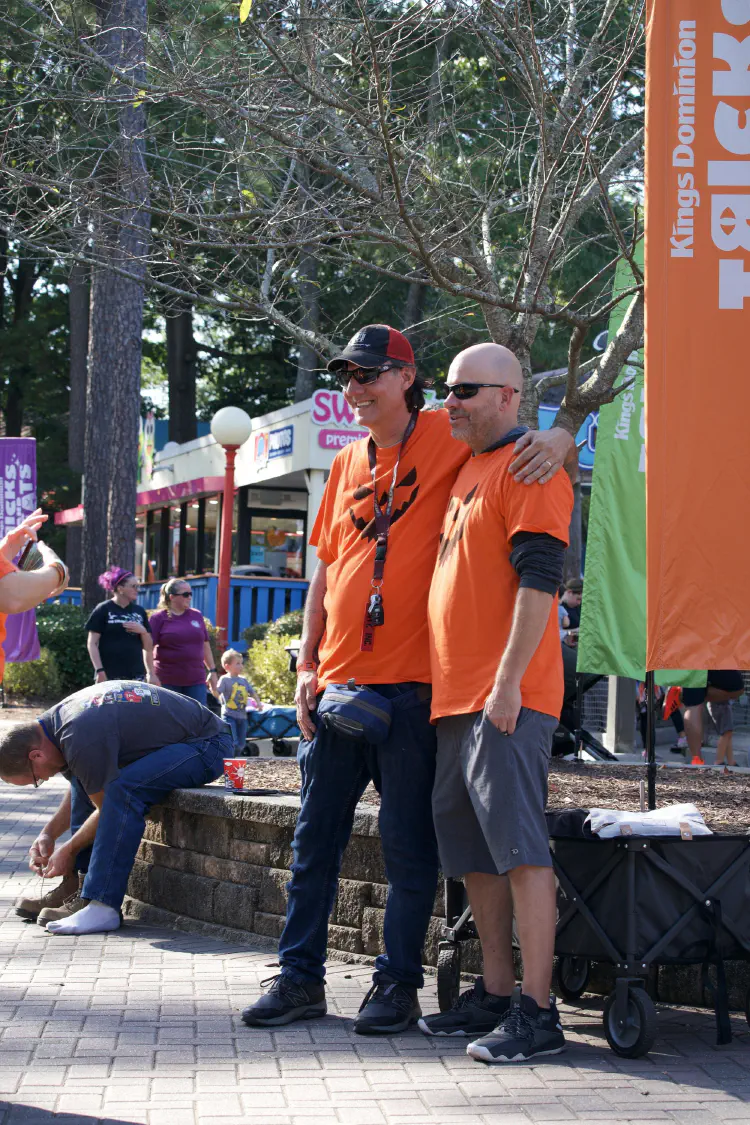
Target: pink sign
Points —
{"points": [[330, 407], [337, 439]]}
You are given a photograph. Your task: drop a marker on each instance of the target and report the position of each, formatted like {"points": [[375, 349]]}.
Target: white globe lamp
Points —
{"points": [[231, 426]]}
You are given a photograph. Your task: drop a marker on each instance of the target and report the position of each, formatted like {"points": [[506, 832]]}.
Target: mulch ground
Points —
{"points": [[724, 800]]}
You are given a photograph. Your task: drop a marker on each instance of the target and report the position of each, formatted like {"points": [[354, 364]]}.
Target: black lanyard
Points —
{"points": [[374, 613]]}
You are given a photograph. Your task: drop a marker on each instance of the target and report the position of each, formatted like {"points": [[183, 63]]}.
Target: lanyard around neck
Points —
{"points": [[383, 516]]}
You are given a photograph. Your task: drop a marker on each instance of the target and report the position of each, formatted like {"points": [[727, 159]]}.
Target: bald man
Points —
{"points": [[496, 698]]}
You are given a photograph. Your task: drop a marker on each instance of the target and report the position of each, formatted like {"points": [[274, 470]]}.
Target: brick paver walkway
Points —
{"points": [[143, 1026]]}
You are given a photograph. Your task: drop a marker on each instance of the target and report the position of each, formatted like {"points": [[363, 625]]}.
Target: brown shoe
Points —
{"points": [[71, 905], [29, 906]]}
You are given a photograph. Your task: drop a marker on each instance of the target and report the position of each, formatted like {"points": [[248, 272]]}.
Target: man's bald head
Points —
{"points": [[487, 363]]}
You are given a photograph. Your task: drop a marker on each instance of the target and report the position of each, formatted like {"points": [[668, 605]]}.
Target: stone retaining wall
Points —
{"points": [[218, 861]]}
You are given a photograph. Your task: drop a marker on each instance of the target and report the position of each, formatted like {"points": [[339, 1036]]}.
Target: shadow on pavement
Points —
{"points": [[11, 1114]]}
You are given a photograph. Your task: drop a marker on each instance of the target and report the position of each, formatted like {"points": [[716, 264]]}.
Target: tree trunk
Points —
{"points": [[413, 314], [22, 286], [78, 310], [116, 322], [181, 369], [574, 553], [309, 293]]}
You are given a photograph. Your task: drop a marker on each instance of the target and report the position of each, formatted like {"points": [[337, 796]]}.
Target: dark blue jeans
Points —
{"points": [[194, 691], [127, 799], [81, 809], [335, 772]]}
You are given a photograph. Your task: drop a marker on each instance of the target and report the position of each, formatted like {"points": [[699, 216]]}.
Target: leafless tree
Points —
{"points": [[477, 148]]}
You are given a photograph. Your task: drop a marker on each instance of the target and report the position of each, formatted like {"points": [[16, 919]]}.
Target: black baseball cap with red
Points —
{"points": [[374, 345]]}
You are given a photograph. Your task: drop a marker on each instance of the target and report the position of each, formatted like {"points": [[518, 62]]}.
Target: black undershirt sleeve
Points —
{"points": [[538, 560]]}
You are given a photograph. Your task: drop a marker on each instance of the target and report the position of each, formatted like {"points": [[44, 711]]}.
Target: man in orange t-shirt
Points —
{"points": [[497, 691], [402, 476]]}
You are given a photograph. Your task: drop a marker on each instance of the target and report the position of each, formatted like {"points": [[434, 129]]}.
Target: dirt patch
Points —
{"points": [[724, 800], [21, 710]]}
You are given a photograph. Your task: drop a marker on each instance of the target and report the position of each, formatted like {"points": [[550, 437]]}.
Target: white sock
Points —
{"points": [[96, 918]]}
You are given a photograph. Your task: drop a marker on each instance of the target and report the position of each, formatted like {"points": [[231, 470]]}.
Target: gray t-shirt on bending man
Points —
{"points": [[105, 727]]}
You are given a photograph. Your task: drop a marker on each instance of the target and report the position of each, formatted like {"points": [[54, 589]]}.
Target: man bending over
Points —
{"points": [[129, 744]]}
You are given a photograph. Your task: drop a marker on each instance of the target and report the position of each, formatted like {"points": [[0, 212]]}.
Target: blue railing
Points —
{"points": [[251, 600]]}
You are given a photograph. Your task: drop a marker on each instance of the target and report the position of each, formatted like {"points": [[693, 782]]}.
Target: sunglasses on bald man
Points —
{"points": [[469, 390]]}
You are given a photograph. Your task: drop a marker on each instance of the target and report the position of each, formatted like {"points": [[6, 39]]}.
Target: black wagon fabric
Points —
{"points": [[716, 924]]}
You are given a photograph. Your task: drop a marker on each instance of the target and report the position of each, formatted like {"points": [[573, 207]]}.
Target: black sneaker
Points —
{"points": [[526, 1031], [475, 1013], [285, 1002], [387, 1008]]}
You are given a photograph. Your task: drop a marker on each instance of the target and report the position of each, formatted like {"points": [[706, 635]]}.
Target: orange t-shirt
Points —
{"points": [[473, 591], [5, 568], [345, 538]]}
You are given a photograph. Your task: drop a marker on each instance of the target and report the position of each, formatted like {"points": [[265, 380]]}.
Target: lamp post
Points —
{"points": [[230, 427]]}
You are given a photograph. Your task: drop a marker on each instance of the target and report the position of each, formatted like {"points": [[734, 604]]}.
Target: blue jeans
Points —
{"points": [[81, 808], [335, 772], [196, 691], [238, 726], [129, 796]]}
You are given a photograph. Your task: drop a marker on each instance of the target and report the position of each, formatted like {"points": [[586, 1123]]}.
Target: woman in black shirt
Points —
{"points": [[119, 637]]}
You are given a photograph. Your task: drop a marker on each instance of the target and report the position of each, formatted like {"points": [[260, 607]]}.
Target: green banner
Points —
{"points": [[612, 640]]}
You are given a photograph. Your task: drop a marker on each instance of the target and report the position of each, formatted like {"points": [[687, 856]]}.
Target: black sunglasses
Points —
{"points": [[469, 390], [364, 375], [183, 594]]}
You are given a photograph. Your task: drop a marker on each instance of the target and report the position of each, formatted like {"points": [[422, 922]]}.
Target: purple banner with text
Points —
{"points": [[18, 476]]}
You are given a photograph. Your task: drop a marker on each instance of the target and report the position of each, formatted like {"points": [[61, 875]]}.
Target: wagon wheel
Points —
{"points": [[747, 1005], [637, 1035], [448, 974], [252, 750], [282, 748], [571, 978]]}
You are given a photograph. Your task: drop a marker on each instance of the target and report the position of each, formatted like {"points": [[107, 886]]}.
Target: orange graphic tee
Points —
{"points": [[474, 586], [344, 534]]}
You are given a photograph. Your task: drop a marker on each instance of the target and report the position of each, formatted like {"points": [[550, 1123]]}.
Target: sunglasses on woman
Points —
{"points": [[469, 390], [183, 594], [364, 375]]}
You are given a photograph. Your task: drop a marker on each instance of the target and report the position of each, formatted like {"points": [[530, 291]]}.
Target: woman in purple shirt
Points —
{"points": [[181, 647]]}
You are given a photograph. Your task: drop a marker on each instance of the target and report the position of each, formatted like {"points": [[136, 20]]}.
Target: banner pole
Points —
{"points": [[650, 741]]}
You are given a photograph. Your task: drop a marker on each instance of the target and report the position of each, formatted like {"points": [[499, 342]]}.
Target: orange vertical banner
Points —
{"points": [[697, 345]]}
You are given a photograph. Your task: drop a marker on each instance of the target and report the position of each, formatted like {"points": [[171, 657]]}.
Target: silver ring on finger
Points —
{"points": [[549, 463]]}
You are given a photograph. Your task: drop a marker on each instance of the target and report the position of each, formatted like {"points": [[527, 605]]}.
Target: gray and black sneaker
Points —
{"points": [[475, 1013], [526, 1031], [389, 1007], [285, 1002]]}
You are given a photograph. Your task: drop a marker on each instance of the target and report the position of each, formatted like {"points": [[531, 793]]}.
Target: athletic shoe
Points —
{"points": [[526, 1031], [29, 906], [682, 742], [476, 1012], [72, 905], [285, 1002], [388, 1007]]}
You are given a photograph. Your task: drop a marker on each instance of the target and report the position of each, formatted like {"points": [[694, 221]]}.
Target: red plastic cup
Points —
{"points": [[234, 773]]}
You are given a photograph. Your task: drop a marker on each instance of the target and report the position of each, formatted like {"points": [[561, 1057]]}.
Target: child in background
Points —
{"points": [[234, 692]]}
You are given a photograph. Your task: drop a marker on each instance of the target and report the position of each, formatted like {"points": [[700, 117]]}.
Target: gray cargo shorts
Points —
{"points": [[721, 716], [490, 793]]}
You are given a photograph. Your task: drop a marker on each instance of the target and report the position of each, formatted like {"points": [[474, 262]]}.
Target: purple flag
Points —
{"points": [[18, 477]]}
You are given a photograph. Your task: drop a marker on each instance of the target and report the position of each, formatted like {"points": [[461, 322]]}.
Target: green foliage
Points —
{"points": [[61, 631], [288, 625], [268, 671], [35, 679], [256, 632]]}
